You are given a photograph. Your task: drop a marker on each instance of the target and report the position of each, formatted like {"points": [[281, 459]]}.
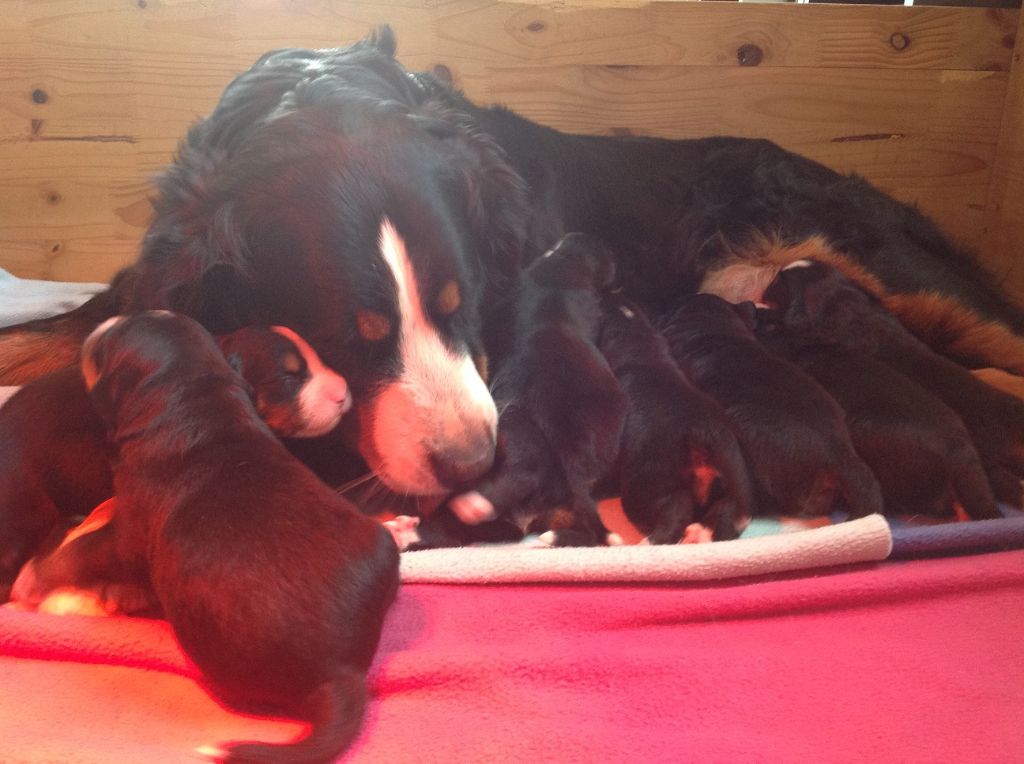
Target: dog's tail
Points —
{"points": [[335, 711], [35, 348]]}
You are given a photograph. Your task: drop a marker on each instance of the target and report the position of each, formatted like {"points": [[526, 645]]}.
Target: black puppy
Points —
{"points": [[915, 444], [562, 410], [679, 460], [56, 462], [814, 297], [275, 587], [793, 433]]}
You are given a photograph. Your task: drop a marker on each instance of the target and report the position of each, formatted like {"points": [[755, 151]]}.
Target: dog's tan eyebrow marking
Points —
{"points": [[373, 326], [482, 366], [449, 298], [291, 363]]}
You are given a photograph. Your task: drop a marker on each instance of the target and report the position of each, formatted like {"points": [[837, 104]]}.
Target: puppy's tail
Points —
{"points": [[35, 348], [335, 711]]}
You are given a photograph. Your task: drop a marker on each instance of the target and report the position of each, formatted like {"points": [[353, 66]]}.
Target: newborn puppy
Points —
{"points": [[915, 444], [55, 460], [813, 297], [275, 587], [562, 410], [679, 459], [793, 433]]}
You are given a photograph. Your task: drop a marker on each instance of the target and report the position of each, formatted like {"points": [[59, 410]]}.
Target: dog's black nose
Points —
{"points": [[458, 466]]}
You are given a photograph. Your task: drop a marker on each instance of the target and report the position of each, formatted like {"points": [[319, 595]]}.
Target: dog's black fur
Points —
{"points": [[820, 300], [562, 408], [915, 444], [679, 461], [55, 462], [793, 433], [274, 586], [270, 212]]}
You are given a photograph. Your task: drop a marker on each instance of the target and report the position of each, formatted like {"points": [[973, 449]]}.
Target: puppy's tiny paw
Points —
{"points": [[68, 601], [644, 542], [472, 508], [212, 752], [403, 531], [697, 534], [548, 538], [613, 539]]}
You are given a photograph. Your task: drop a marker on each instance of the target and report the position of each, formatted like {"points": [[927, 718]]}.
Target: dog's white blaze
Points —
{"points": [[439, 398], [799, 264], [325, 398]]}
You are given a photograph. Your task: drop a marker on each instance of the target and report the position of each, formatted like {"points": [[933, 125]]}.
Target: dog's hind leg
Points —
{"points": [[30, 350]]}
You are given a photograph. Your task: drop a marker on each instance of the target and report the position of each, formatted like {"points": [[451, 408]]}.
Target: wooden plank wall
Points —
{"points": [[94, 94]]}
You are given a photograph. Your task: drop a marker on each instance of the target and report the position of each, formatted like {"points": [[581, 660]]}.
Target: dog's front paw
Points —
{"points": [[404, 530], [697, 534]]}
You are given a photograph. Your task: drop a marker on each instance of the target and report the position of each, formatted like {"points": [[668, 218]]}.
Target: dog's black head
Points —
{"points": [[577, 261], [294, 393], [814, 298], [135, 366], [336, 193], [706, 315]]}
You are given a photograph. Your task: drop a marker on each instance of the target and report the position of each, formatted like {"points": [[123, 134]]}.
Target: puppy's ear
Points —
{"points": [[748, 312], [383, 39]]}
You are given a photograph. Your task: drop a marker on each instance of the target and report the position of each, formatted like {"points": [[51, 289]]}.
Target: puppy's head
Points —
{"points": [[293, 391], [124, 354], [708, 314], [811, 296], [577, 261]]}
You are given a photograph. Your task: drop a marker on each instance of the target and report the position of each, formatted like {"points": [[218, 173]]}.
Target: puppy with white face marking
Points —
{"points": [[275, 586], [56, 461]]}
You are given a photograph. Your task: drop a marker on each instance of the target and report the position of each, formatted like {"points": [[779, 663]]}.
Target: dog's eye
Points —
{"points": [[373, 326], [449, 299], [480, 361]]}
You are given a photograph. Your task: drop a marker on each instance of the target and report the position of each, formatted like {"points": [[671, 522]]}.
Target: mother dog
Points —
{"points": [[379, 213]]}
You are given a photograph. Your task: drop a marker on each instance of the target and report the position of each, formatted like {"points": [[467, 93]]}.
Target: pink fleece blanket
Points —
{"points": [[914, 662]]}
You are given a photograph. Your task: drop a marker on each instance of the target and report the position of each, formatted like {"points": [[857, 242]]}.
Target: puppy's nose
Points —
{"points": [[457, 466]]}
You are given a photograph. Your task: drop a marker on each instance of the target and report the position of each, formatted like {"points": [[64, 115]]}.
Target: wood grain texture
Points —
{"points": [[95, 94], [1003, 241]]}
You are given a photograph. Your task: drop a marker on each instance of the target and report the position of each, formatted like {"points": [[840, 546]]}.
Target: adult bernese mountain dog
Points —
{"points": [[380, 213]]}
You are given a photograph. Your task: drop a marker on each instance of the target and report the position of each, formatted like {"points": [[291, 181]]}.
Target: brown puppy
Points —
{"points": [[679, 459], [56, 461], [915, 444], [817, 298], [792, 431], [275, 587]]}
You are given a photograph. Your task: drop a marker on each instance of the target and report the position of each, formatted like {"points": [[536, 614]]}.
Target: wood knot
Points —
{"points": [[142, 4], [55, 248], [444, 74], [749, 54], [536, 26], [52, 197], [40, 96], [899, 41]]}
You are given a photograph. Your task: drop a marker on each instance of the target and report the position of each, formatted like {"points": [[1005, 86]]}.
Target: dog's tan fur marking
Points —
{"points": [[941, 322], [955, 330], [373, 326]]}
